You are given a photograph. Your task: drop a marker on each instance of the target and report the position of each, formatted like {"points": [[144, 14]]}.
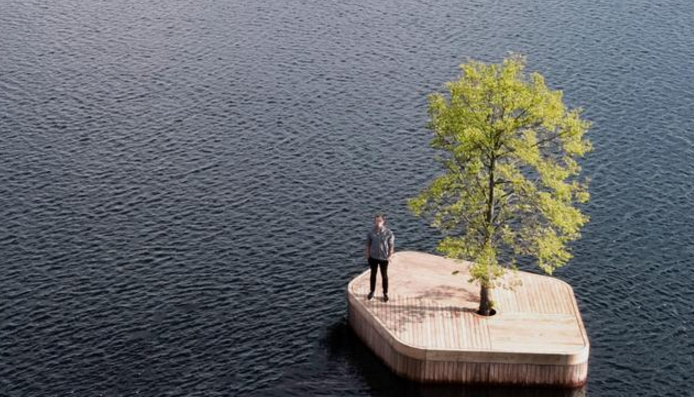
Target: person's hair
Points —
{"points": [[380, 215]]}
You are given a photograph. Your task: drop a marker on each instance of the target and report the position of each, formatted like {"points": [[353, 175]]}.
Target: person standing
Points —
{"points": [[380, 247]]}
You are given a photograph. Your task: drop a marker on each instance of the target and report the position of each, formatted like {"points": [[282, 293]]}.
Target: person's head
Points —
{"points": [[379, 220]]}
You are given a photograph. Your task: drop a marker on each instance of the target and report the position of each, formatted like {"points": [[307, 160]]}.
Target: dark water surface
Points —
{"points": [[185, 186]]}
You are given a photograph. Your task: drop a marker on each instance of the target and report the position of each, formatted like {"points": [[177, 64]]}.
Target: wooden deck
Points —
{"points": [[429, 330]]}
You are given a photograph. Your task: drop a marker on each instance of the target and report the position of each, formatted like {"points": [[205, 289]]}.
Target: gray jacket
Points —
{"points": [[381, 242]]}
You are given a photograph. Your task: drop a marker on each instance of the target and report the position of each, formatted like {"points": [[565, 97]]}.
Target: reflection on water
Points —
{"points": [[339, 344]]}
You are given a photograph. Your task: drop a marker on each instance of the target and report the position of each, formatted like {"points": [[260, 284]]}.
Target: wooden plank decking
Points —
{"points": [[429, 330]]}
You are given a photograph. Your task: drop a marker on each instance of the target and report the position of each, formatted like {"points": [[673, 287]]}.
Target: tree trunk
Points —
{"points": [[485, 292], [485, 301]]}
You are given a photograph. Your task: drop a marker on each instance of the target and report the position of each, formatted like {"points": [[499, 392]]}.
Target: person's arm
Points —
{"points": [[391, 245], [368, 245]]}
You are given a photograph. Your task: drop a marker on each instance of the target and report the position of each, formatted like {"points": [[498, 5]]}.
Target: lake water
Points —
{"points": [[185, 186]]}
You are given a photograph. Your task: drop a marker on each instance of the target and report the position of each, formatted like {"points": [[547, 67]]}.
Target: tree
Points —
{"points": [[508, 147]]}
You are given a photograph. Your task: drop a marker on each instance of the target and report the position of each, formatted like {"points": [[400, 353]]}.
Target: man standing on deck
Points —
{"points": [[380, 247]]}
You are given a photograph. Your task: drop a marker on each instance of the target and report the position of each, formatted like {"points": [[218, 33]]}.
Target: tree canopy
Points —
{"points": [[510, 185]]}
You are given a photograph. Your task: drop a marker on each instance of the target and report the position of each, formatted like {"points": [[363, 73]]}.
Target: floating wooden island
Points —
{"points": [[429, 331]]}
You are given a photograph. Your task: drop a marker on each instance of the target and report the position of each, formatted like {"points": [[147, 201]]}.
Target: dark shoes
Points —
{"points": [[371, 295]]}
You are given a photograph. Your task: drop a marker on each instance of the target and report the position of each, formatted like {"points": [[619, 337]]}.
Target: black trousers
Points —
{"points": [[374, 264]]}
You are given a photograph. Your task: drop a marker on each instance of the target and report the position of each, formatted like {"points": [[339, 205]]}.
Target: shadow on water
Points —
{"points": [[342, 354]]}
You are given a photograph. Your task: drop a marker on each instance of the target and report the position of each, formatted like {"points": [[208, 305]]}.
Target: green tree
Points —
{"points": [[508, 147]]}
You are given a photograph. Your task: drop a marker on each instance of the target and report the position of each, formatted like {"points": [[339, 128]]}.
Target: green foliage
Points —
{"points": [[509, 149]]}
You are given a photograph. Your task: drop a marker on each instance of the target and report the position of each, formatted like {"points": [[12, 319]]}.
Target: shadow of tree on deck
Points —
{"points": [[403, 312]]}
